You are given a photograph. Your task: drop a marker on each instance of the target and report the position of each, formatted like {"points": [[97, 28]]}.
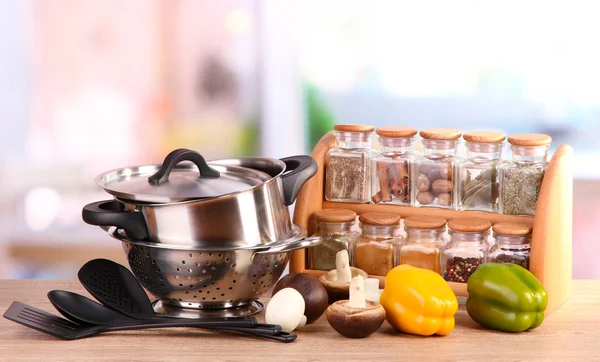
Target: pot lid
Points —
{"points": [[172, 182]]}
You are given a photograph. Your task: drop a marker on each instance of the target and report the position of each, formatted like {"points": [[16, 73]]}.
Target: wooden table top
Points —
{"points": [[568, 334]]}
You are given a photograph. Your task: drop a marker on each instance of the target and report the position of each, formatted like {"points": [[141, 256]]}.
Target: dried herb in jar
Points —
{"points": [[481, 191], [520, 190]]}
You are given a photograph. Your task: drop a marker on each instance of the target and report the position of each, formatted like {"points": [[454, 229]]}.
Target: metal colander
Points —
{"points": [[208, 279]]}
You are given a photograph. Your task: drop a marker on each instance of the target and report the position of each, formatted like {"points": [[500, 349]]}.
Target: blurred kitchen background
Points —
{"points": [[87, 86]]}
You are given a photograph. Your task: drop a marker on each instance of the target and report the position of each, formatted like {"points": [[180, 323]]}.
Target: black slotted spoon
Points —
{"points": [[62, 328], [114, 286]]}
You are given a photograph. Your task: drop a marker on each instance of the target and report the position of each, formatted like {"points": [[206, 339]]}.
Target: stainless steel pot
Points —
{"points": [[222, 203], [185, 277]]}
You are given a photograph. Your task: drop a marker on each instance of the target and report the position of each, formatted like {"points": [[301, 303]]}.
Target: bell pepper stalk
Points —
{"points": [[418, 301], [506, 297]]}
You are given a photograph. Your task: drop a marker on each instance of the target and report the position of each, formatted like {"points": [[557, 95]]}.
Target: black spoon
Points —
{"points": [[85, 311]]}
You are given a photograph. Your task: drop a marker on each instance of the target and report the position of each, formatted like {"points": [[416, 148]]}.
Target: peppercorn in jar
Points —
{"points": [[376, 250], [522, 178], [392, 167], [478, 178], [433, 181], [466, 249], [347, 176], [423, 243], [513, 244], [334, 226]]}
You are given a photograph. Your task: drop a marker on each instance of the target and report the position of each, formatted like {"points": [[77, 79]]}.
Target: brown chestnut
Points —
{"points": [[355, 322], [314, 293]]}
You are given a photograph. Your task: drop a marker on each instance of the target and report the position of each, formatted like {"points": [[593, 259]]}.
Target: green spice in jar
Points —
{"points": [[522, 178], [334, 226]]}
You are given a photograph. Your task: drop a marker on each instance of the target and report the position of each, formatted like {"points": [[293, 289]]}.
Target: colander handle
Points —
{"points": [[284, 247], [112, 213]]}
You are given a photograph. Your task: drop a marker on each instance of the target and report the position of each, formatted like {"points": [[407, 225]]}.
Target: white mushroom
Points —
{"points": [[286, 308]]}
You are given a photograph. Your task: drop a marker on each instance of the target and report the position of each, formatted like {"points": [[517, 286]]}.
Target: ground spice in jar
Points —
{"points": [[429, 259], [374, 257], [376, 250], [460, 269], [424, 240]]}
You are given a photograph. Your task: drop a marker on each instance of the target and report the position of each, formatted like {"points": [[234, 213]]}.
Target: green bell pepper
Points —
{"points": [[506, 297]]}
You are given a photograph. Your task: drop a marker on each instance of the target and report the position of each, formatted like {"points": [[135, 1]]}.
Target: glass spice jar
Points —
{"points": [[433, 182], [423, 243], [376, 250], [466, 249], [334, 226], [522, 178], [391, 171], [513, 244], [478, 179], [347, 164]]}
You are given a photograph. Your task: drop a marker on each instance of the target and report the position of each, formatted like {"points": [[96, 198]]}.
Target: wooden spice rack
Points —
{"points": [[551, 244]]}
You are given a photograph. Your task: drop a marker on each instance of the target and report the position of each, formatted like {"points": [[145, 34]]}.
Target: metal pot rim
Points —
{"points": [[225, 162], [119, 234]]}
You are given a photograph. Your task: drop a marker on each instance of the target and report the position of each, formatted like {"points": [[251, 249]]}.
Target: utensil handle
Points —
{"points": [[290, 246], [274, 333], [180, 155], [112, 213], [301, 168]]}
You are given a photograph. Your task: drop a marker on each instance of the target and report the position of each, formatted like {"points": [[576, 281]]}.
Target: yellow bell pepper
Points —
{"points": [[418, 301]]}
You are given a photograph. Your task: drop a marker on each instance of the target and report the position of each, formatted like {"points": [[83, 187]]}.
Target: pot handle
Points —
{"points": [[289, 246], [112, 213], [301, 168], [179, 155]]}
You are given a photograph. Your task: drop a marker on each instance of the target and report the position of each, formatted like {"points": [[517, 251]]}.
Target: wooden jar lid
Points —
{"points": [[469, 225], [484, 137], [442, 134], [512, 229], [354, 128], [424, 222], [335, 215], [530, 139], [380, 218], [396, 131]]}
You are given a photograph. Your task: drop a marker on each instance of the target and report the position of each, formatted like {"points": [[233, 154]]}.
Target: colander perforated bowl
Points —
{"points": [[208, 279]]}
